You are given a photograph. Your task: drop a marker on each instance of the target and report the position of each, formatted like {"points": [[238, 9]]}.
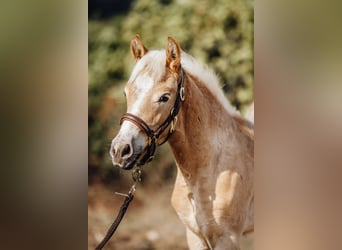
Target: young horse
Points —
{"points": [[169, 93]]}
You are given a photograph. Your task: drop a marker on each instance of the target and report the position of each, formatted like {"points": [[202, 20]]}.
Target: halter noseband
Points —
{"points": [[153, 135]]}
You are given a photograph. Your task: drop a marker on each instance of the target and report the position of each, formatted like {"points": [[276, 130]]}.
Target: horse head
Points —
{"points": [[153, 93]]}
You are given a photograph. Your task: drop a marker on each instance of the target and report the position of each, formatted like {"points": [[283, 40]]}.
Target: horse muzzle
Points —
{"points": [[124, 154]]}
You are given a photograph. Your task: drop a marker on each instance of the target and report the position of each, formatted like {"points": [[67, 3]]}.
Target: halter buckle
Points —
{"points": [[150, 159], [136, 174], [149, 141], [182, 94]]}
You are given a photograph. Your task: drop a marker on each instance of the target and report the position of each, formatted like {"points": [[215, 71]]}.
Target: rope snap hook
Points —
{"points": [[136, 174]]}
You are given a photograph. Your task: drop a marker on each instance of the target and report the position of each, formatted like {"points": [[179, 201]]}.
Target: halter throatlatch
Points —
{"points": [[153, 135]]}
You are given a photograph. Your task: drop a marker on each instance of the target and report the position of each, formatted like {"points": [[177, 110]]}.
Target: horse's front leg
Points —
{"points": [[227, 242], [195, 242]]}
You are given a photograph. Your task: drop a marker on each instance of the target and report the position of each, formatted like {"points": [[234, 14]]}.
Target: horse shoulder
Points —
{"points": [[232, 200]]}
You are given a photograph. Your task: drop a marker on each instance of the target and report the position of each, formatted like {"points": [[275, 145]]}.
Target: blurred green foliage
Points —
{"points": [[216, 32]]}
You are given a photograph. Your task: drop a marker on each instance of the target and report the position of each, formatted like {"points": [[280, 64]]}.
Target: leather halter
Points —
{"points": [[152, 135]]}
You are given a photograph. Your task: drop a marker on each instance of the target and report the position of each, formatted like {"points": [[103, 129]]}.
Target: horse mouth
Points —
{"points": [[129, 163]]}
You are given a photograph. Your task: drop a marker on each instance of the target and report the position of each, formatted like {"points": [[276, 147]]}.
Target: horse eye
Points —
{"points": [[163, 98]]}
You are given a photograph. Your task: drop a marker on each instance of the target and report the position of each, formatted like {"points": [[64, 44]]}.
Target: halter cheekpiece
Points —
{"points": [[152, 135]]}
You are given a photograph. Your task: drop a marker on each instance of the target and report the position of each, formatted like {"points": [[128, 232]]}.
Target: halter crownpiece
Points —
{"points": [[152, 135]]}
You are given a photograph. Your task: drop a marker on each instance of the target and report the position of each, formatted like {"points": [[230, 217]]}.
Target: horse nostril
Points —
{"points": [[126, 150], [112, 151]]}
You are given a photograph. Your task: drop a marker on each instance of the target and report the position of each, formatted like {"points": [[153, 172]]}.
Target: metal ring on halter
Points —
{"points": [[173, 124], [182, 94], [171, 129], [151, 158]]}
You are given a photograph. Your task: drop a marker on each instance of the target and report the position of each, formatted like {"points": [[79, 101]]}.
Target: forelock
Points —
{"points": [[152, 64]]}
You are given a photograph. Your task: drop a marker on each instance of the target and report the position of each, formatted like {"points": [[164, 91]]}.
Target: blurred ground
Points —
{"points": [[150, 221]]}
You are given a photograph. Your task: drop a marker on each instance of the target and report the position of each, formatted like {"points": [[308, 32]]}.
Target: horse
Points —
{"points": [[172, 97]]}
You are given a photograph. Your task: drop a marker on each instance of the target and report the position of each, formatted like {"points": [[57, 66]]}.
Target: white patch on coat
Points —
{"points": [[142, 85], [128, 130]]}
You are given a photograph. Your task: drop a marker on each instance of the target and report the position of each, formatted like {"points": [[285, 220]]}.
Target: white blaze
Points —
{"points": [[143, 86]]}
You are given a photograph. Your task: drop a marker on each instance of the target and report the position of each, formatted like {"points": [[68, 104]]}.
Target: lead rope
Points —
{"points": [[136, 176]]}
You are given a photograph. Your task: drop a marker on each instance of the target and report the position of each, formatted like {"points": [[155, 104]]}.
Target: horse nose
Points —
{"points": [[119, 152], [126, 151]]}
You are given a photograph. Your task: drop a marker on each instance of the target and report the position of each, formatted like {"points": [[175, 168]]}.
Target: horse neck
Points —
{"points": [[201, 119]]}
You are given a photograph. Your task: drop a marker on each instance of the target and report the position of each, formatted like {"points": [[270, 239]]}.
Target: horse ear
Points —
{"points": [[173, 55], [138, 50]]}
